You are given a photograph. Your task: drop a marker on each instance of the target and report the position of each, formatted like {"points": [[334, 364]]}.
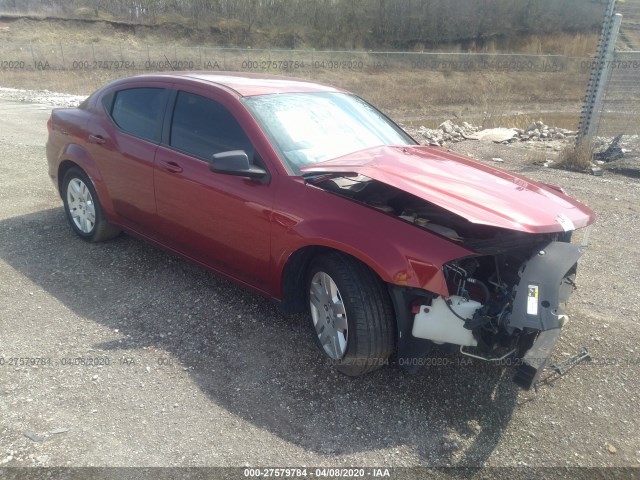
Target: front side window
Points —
{"points": [[308, 128], [139, 111], [202, 127]]}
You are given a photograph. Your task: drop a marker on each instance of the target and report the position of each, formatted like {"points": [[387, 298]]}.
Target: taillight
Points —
{"points": [[50, 124]]}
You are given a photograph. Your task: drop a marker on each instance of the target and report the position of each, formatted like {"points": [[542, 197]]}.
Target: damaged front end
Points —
{"points": [[505, 300], [506, 297], [509, 303]]}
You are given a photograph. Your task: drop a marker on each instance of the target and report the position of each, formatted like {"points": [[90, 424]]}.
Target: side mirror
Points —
{"points": [[236, 162]]}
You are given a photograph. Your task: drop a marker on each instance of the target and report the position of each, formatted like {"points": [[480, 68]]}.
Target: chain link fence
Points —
{"points": [[620, 110], [39, 57]]}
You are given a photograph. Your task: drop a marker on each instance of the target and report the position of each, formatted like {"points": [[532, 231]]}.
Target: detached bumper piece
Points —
{"points": [[563, 367], [546, 282], [535, 360], [527, 376]]}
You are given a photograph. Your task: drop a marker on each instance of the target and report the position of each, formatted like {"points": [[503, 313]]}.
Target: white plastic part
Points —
{"points": [[438, 324], [563, 319]]}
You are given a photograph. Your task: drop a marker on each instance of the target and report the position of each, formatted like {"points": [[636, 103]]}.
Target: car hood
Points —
{"points": [[480, 193]]}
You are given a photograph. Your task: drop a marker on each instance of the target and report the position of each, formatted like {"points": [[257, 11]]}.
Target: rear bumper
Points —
{"points": [[52, 165]]}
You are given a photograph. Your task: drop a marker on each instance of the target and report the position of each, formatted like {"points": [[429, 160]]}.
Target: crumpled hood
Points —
{"points": [[480, 193]]}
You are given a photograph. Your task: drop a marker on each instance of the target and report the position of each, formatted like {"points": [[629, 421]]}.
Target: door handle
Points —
{"points": [[172, 167], [99, 139]]}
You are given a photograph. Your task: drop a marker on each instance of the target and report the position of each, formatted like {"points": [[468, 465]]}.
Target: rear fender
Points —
{"points": [[79, 156]]}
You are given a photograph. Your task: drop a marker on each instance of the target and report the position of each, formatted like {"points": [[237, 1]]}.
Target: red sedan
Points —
{"points": [[309, 195]]}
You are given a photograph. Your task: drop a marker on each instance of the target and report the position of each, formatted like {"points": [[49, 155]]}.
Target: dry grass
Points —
{"points": [[498, 118], [490, 99], [574, 45], [413, 96], [576, 157], [540, 157]]}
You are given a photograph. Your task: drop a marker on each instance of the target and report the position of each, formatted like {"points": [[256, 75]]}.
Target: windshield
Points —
{"points": [[308, 128]]}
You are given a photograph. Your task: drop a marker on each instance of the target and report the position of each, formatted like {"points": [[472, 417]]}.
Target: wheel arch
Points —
{"points": [[293, 279], [76, 156], [63, 168], [393, 264], [91, 228]]}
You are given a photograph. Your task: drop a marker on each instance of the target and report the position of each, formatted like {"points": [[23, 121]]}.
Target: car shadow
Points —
{"points": [[255, 362]]}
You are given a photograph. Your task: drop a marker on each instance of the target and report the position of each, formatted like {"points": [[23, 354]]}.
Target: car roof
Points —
{"points": [[249, 84]]}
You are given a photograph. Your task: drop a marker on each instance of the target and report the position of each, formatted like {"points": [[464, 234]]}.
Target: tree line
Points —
{"points": [[396, 24]]}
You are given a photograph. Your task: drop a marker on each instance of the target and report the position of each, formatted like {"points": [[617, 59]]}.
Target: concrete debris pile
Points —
{"points": [[450, 132]]}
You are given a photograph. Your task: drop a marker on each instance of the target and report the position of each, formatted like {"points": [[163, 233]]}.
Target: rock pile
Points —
{"points": [[447, 132], [539, 131], [450, 132]]}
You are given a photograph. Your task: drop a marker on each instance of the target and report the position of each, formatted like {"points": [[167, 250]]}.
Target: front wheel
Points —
{"points": [[83, 210], [351, 313]]}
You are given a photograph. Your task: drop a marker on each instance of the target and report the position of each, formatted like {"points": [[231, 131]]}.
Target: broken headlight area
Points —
{"points": [[509, 303]]}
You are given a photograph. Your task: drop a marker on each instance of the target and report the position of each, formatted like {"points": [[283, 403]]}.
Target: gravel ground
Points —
{"points": [[203, 373]]}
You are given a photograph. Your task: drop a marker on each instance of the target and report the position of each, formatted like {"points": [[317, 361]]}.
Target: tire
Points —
{"points": [[83, 209], [351, 314]]}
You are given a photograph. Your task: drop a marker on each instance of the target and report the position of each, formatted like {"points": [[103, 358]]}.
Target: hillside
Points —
{"points": [[541, 26]]}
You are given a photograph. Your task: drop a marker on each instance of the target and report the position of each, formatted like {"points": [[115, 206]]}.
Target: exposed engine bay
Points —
{"points": [[506, 300]]}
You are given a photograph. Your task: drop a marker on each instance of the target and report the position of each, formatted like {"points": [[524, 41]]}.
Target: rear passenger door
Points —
{"points": [[220, 220], [123, 141]]}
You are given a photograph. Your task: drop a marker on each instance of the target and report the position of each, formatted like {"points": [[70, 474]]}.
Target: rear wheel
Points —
{"points": [[351, 313], [83, 210]]}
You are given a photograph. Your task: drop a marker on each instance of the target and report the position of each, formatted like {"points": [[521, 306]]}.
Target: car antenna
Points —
{"points": [[171, 66]]}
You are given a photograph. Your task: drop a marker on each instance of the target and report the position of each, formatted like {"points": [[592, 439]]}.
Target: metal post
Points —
{"points": [[600, 72]]}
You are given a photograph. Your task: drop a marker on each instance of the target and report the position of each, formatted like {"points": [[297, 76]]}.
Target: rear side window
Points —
{"points": [[139, 111], [202, 127]]}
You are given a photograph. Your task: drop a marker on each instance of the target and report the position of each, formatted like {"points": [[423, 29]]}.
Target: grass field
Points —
{"points": [[416, 88]]}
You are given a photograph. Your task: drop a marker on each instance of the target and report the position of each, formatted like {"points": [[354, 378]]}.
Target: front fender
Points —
{"points": [[400, 253]]}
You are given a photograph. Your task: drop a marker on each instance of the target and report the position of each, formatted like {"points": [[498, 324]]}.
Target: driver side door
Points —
{"points": [[220, 220]]}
